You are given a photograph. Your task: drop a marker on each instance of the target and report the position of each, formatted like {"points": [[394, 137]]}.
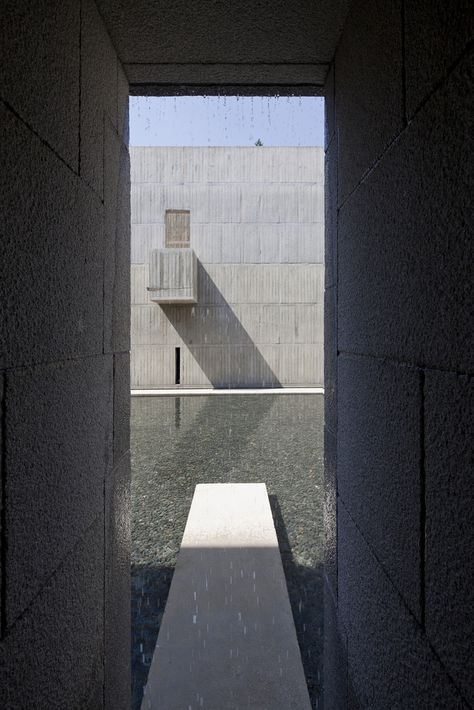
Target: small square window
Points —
{"points": [[177, 228]]}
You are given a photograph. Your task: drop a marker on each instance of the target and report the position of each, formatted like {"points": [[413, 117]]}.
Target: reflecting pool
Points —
{"points": [[178, 442]]}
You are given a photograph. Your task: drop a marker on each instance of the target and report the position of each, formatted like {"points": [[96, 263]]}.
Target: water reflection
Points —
{"points": [[178, 442]]}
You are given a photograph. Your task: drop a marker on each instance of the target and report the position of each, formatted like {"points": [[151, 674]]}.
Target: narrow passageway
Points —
{"points": [[178, 442]]}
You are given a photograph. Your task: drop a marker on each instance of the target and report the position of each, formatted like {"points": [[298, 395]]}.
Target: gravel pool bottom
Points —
{"points": [[178, 442]]}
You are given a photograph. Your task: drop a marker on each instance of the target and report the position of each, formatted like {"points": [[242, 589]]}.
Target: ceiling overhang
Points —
{"points": [[225, 46]]}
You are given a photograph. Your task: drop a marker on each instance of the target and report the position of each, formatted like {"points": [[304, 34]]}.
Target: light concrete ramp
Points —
{"points": [[227, 640]]}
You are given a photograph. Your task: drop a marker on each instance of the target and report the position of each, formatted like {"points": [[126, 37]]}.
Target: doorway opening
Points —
{"points": [[227, 295]]}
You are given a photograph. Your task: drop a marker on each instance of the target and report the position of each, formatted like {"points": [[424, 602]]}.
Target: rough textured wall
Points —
{"points": [[399, 359], [64, 369], [257, 230]]}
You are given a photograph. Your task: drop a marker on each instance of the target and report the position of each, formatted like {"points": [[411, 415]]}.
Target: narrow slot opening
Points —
{"points": [[177, 366]]}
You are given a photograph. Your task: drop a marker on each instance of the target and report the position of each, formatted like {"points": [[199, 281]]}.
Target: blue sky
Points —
{"points": [[230, 120]]}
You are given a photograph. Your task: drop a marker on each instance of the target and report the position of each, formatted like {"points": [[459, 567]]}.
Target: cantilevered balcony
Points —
{"points": [[173, 276]]}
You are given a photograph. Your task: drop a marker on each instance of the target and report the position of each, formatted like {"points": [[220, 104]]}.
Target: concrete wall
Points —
{"points": [[64, 364], [257, 230], [399, 359]]}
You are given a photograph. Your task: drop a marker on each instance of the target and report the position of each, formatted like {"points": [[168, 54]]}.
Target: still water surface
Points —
{"points": [[178, 442]]}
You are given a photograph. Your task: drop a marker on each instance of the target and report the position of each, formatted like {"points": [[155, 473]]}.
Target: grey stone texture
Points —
{"points": [[121, 407], [437, 35], [40, 47], [378, 464], [329, 107], [335, 657], [99, 83], [285, 45], [256, 228], [53, 657], [425, 263], [449, 463], [61, 408], [117, 240], [64, 289], [117, 585], [330, 509], [368, 70], [398, 224], [330, 212], [47, 313], [390, 660], [330, 359]]}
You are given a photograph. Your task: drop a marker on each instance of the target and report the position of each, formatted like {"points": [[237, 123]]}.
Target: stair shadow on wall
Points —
{"points": [[217, 340]]}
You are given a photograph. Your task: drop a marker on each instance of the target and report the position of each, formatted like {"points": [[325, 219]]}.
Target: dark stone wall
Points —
{"points": [[64, 360], [399, 359]]}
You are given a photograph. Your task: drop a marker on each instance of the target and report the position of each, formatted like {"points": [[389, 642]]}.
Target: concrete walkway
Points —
{"points": [[227, 640]]}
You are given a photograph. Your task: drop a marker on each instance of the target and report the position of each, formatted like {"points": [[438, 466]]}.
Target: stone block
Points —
{"points": [[117, 586], [335, 656], [121, 405], [39, 55], [330, 509], [123, 125], [329, 107], [449, 458], [2, 449], [378, 464], [52, 280], [98, 94], [121, 292], [117, 243], [57, 439], [53, 657], [330, 359], [390, 660], [405, 244], [330, 213], [369, 100], [436, 35]]}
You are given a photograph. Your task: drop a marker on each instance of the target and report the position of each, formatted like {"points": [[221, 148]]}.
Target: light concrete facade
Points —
{"points": [[257, 229]]}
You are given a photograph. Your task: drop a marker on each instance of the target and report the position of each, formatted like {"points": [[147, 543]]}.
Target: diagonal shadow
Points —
{"points": [[217, 340], [224, 453], [305, 589], [150, 589]]}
